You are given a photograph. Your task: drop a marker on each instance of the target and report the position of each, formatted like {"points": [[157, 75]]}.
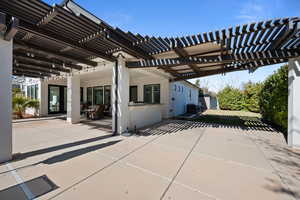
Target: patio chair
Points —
{"points": [[97, 112]]}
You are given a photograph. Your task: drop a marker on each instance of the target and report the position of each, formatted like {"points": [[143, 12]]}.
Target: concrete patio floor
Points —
{"points": [[172, 160]]}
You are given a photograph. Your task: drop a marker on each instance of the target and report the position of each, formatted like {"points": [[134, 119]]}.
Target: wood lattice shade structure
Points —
{"points": [[49, 40]]}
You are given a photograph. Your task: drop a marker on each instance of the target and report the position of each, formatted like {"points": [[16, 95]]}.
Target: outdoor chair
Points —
{"points": [[97, 112]]}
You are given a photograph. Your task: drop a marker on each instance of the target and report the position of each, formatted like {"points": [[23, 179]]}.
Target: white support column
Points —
{"points": [[43, 98], [122, 76], [5, 100], [73, 102], [294, 103]]}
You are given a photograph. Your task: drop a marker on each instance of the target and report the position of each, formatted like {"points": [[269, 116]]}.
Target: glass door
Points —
{"points": [[98, 95], [57, 101], [54, 99], [65, 99], [107, 95]]}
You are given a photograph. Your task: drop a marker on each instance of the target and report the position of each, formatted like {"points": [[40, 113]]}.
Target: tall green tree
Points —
{"points": [[197, 83], [231, 98], [251, 94]]}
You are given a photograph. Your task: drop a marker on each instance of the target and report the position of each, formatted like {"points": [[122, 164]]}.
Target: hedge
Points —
{"points": [[274, 98], [231, 98]]}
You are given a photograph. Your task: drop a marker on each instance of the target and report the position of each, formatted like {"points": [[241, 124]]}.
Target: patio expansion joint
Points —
{"points": [[202, 154], [183, 163], [168, 179], [105, 167]]}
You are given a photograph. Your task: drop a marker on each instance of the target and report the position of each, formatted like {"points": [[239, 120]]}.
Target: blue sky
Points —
{"points": [[178, 18]]}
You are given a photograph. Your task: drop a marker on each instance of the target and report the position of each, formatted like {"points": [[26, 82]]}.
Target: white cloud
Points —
{"points": [[252, 11]]}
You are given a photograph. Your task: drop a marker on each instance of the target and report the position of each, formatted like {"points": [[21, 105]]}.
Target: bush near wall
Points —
{"points": [[231, 98], [273, 98]]}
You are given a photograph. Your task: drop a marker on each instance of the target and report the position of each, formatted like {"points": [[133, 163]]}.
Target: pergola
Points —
{"points": [[49, 40], [55, 40]]}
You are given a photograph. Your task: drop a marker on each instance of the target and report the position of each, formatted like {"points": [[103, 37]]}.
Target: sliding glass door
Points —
{"points": [[54, 99], [107, 95], [57, 101], [99, 95]]}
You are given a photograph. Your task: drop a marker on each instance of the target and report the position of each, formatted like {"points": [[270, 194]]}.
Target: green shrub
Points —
{"points": [[20, 103], [251, 94], [273, 99], [231, 99]]}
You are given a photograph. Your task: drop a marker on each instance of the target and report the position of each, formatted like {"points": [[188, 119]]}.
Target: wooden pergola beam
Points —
{"points": [[31, 72], [41, 63], [12, 29], [39, 68], [173, 62], [49, 16], [126, 45], [49, 53], [26, 74], [47, 61], [34, 69], [182, 53], [29, 28]]}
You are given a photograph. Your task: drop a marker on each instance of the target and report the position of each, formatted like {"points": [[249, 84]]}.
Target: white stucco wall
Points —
{"points": [[141, 116], [180, 97], [164, 90]]}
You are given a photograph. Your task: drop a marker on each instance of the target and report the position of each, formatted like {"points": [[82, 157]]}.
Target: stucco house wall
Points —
{"points": [[182, 94]]}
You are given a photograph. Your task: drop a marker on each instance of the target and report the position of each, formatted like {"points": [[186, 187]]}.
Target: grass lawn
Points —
{"points": [[241, 119], [232, 113]]}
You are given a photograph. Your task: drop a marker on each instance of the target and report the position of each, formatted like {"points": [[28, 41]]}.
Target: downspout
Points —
{"points": [[116, 96]]}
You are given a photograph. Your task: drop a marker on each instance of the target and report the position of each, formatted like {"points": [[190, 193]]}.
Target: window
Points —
{"points": [[175, 87], [190, 94], [133, 94], [98, 95], [81, 95], [90, 96], [152, 94], [32, 91], [107, 95]]}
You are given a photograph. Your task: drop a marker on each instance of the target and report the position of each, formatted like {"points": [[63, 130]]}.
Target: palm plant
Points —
{"points": [[20, 103]]}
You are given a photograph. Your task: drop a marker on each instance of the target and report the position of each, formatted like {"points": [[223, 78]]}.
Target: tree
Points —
{"points": [[197, 83], [231, 98], [251, 94]]}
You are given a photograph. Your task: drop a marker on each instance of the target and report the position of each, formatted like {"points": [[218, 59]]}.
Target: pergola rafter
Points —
{"points": [[66, 35], [190, 60]]}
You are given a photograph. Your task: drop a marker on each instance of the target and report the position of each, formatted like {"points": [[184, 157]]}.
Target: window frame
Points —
{"points": [[152, 94]]}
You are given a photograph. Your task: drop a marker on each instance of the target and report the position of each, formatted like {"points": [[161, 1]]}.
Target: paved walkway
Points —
{"points": [[173, 160]]}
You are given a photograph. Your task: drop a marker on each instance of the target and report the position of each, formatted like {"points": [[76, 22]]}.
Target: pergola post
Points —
{"points": [[294, 105], [6, 57], [73, 99], [120, 96], [43, 98]]}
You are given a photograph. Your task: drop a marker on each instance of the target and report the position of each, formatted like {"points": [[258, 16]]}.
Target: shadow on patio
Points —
{"points": [[246, 123], [214, 121]]}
